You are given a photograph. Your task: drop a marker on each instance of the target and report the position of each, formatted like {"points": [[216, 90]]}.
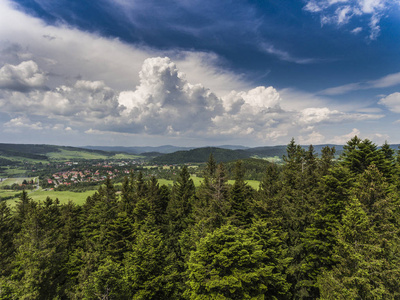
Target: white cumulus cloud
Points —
{"points": [[165, 102], [392, 102], [22, 77]]}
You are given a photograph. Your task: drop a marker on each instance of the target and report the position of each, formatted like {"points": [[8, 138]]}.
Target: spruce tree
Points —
{"points": [[7, 233], [359, 154], [241, 197], [362, 271], [146, 266], [232, 263]]}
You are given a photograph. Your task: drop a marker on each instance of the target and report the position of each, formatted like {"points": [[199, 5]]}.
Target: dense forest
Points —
{"points": [[317, 228]]}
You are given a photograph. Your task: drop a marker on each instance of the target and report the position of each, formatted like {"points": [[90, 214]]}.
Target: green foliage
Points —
{"points": [[7, 232], [241, 196], [180, 206], [106, 282], [362, 272], [230, 264], [146, 269], [359, 154]]}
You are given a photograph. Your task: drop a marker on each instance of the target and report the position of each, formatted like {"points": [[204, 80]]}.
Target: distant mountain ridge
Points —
{"points": [[165, 149], [44, 152]]}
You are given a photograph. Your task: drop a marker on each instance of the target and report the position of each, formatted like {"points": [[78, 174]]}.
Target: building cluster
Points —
{"points": [[98, 173]]}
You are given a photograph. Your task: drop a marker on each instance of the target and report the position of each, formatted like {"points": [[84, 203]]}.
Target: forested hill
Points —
{"points": [[165, 149], [201, 155], [140, 150], [44, 152]]}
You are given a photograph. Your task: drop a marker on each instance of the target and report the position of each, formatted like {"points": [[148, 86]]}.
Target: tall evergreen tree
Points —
{"points": [[40, 256], [326, 161], [362, 272], [359, 154], [230, 263], [241, 196], [7, 233], [319, 237], [268, 204], [146, 267], [180, 206], [180, 218]]}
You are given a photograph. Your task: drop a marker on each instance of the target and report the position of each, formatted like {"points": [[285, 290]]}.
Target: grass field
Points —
{"points": [[41, 195], [70, 155], [12, 171], [64, 197], [23, 159], [126, 156], [10, 181], [8, 193]]}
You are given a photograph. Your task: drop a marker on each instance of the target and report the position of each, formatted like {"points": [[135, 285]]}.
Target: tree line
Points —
{"points": [[315, 229]]}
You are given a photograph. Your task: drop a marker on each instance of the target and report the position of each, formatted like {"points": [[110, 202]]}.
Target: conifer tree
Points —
{"points": [[219, 205], [23, 206], [319, 237], [7, 233], [268, 205], [106, 282], [146, 266], [230, 263], [180, 218], [140, 186], [180, 206], [128, 199], [293, 165], [40, 256], [158, 198], [359, 154], [326, 161], [362, 272], [241, 196]]}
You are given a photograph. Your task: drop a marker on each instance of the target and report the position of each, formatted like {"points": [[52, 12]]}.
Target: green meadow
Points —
{"points": [[19, 180], [65, 154], [41, 195]]}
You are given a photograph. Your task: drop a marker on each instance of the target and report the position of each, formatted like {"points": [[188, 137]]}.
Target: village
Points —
{"points": [[84, 173]]}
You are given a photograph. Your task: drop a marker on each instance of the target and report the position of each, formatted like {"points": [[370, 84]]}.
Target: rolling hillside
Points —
{"points": [[10, 153]]}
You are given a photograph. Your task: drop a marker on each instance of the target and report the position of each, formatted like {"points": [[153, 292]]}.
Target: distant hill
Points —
{"points": [[139, 150], [20, 152], [200, 155], [26, 150], [165, 149]]}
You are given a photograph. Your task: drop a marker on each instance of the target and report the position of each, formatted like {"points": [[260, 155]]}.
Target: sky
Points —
{"points": [[199, 73]]}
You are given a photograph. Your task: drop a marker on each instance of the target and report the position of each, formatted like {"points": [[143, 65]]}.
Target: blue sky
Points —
{"points": [[197, 73]]}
